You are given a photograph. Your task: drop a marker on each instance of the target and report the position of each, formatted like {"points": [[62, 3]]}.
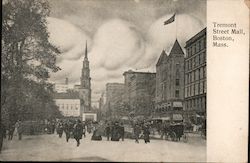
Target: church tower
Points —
{"points": [[85, 90]]}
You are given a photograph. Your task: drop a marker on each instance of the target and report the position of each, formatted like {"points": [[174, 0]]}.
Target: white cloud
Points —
{"points": [[66, 36], [116, 44], [116, 47]]}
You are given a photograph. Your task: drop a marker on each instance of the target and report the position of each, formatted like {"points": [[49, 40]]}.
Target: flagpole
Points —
{"points": [[176, 26], [175, 20]]}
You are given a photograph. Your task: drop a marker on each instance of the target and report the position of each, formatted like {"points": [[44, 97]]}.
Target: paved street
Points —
{"points": [[52, 148]]}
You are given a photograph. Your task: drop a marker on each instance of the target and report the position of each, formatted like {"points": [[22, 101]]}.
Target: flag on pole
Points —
{"points": [[170, 20]]}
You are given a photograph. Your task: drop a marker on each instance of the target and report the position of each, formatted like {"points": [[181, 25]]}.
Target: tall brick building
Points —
{"points": [[195, 75], [140, 91], [114, 94], [170, 83]]}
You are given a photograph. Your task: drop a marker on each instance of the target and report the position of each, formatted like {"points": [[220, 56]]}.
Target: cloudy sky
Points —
{"points": [[121, 35]]}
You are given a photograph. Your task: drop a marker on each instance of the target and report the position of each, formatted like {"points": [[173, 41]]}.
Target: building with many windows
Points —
{"points": [[139, 91], [195, 75], [170, 84], [114, 94], [69, 104]]}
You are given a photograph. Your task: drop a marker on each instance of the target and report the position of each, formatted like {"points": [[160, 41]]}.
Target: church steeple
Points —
{"points": [[86, 51], [85, 89]]}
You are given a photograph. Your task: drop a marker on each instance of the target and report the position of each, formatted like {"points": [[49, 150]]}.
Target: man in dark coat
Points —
{"points": [[60, 129], [2, 132], [78, 130], [66, 129], [107, 130], [122, 131], [11, 130], [115, 134], [146, 133], [137, 131]]}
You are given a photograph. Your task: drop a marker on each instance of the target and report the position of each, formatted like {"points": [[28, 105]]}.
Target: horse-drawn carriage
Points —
{"points": [[176, 132]]}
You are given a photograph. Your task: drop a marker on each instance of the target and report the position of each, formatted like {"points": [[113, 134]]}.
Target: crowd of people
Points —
{"points": [[112, 130], [76, 129], [13, 129]]}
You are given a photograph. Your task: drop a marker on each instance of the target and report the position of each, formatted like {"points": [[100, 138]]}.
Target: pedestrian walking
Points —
{"points": [[122, 131], [137, 131], [165, 130], [66, 128], [84, 130], [2, 132], [60, 129], [97, 133], [108, 130], [53, 126], [146, 133], [78, 130], [115, 132], [11, 130], [19, 128], [89, 127]]}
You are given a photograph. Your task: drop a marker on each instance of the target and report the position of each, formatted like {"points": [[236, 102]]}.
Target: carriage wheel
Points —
{"points": [[173, 136]]}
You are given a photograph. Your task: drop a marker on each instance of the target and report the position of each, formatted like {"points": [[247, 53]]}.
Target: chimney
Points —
{"points": [[66, 81]]}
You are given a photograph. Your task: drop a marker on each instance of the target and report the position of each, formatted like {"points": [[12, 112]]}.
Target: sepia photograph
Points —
{"points": [[104, 80]]}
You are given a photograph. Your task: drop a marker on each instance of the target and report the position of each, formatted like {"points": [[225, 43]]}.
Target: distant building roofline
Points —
{"points": [[137, 72], [196, 37], [72, 95]]}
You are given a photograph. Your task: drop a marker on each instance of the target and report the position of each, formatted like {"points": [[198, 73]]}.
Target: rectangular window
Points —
{"points": [[197, 46], [201, 87], [177, 82], [204, 72], [204, 57], [192, 90], [205, 87], [177, 93], [193, 75], [201, 58], [201, 73], [196, 88], [190, 76], [185, 91], [197, 74], [197, 60], [202, 44]]}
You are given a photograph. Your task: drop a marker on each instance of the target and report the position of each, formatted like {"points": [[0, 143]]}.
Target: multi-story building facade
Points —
{"points": [[170, 84], [114, 94], [69, 104], [195, 75], [139, 91]]}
